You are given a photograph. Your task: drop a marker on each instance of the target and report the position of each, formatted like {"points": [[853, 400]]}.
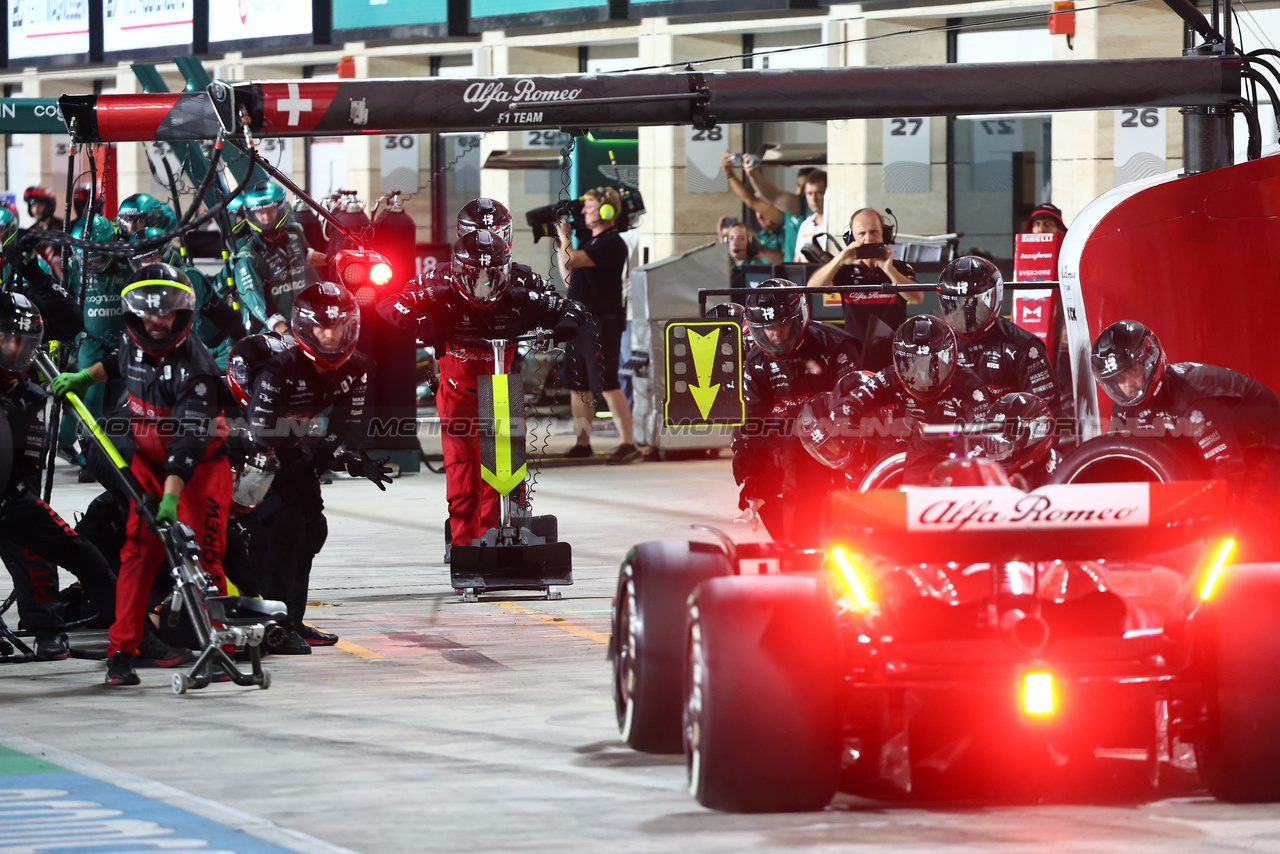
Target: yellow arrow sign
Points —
{"points": [[703, 348], [504, 479]]}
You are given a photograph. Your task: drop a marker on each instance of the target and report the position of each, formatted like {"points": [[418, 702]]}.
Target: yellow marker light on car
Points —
{"points": [[1218, 562], [1037, 693], [851, 579]]}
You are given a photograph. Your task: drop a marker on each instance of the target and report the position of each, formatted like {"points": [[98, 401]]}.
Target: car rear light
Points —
{"points": [[1037, 693], [851, 579], [1216, 568]]}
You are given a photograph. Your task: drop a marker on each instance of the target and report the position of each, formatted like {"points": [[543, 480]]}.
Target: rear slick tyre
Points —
{"points": [[762, 681], [647, 645], [1238, 637], [1128, 459]]}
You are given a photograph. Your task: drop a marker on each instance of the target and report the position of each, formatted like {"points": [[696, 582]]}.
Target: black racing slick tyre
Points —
{"points": [[647, 645], [762, 682], [1128, 459], [1238, 642]]}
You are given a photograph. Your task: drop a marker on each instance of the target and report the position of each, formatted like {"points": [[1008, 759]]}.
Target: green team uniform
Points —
{"points": [[270, 273]]}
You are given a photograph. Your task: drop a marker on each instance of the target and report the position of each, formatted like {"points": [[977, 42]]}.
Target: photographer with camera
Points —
{"points": [[593, 275], [867, 259]]}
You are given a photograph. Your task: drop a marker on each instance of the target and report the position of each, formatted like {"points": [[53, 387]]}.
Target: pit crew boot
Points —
{"points": [[120, 669], [315, 637]]}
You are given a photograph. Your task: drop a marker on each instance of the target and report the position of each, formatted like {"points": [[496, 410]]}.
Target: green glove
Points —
{"points": [[168, 511], [79, 382]]}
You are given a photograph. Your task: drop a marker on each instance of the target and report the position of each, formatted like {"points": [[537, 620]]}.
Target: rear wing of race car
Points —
{"points": [[1003, 523]]}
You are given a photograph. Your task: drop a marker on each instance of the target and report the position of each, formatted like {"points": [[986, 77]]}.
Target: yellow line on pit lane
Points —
{"points": [[559, 622], [354, 649]]}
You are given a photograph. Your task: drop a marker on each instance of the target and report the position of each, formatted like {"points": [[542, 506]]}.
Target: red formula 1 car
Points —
{"points": [[953, 637]]}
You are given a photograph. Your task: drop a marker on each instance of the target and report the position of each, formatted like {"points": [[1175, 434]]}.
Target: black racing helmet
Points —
{"points": [[326, 322], [21, 330], [481, 266], [924, 355], [1022, 431], [970, 291], [159, 306], [245, 360], [1128, 362], [828, 437], [486, 214], [777, 317]]}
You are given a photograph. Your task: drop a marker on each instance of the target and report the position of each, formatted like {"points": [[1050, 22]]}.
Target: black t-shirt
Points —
{"points": [[860, 308], [599, 288]]}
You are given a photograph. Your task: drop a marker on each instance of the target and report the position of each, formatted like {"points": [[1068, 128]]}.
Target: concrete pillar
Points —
{"points": [[855, 150], [677, 220], [418, 206], [1084, 142], [362, 152], [520, 190]]}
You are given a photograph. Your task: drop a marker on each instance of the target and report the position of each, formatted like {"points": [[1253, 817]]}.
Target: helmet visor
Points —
{"points": [[924, 371], [157, 298], [329, 330], [131, 221], [267, 216], [483, 284], [253, 479], [1126, 382], [969, 315], [779, 338], [17, 349], [826, 444]]}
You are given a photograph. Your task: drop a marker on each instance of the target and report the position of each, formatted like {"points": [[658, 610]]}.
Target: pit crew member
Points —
{"points": [[1007, 357], [792, 358], [481, 296], [294, 387], [178, 432]]}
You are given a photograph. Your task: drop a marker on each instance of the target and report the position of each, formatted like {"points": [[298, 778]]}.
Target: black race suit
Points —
{"points": [[288, 529], [768, 460], [1232, 423], [965, 399], [33, 538], [1009, 358]]}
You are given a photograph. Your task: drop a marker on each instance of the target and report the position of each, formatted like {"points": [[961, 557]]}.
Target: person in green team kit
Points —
{"points": [[217, 324], [104, 276], [276, 264]]}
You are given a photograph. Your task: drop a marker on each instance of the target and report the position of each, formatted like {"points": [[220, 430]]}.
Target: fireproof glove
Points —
{"points": [[751, 514], [565, 330], [79, 383], [168, 510], [362, 465]]}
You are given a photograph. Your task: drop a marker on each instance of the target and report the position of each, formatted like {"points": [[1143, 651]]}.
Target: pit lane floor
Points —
{"points": [[449, 727]]}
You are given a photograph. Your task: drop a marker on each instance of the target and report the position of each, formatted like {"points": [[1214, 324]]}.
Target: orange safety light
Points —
{"points": [[1037, 693], [1206, 590], [1063, 20]]}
